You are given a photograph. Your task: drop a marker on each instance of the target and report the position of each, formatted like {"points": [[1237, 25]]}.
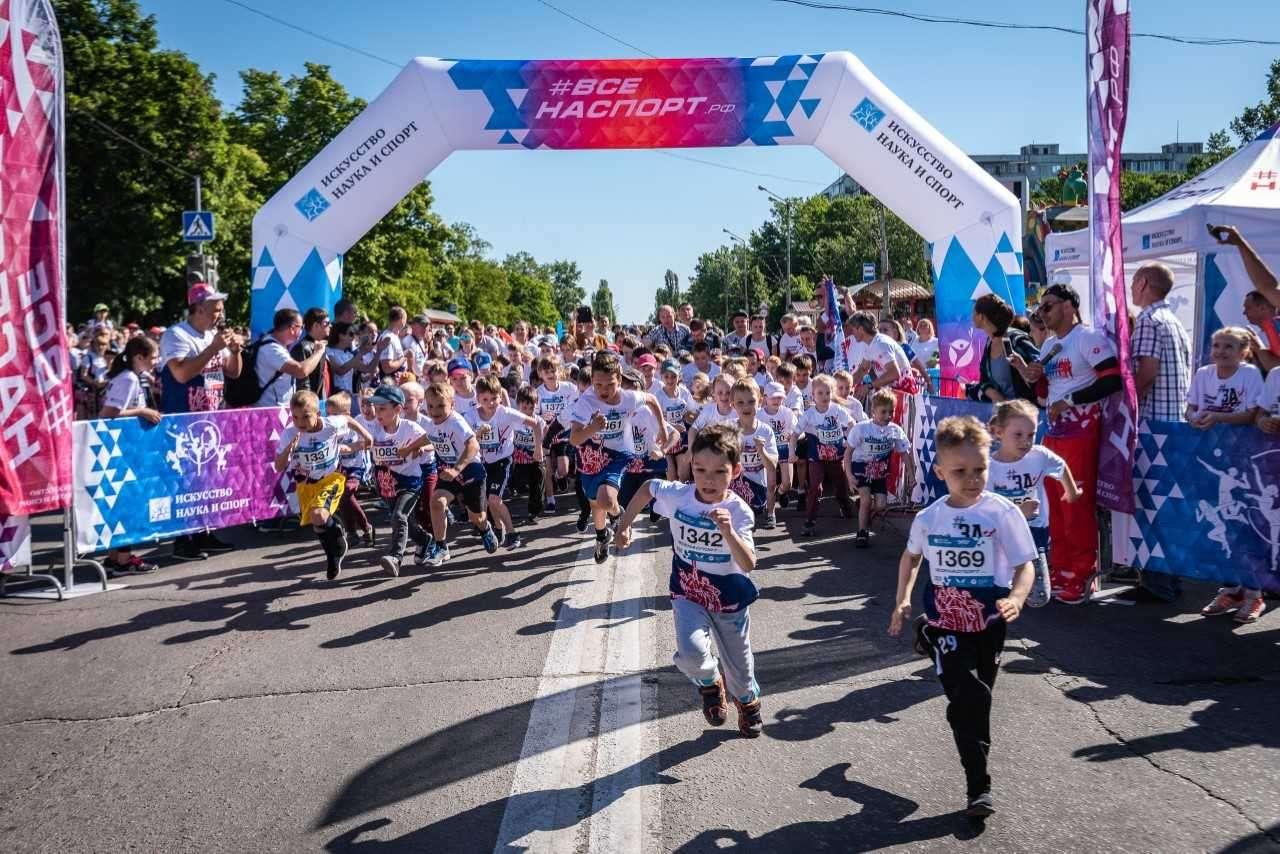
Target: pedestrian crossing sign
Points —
{"points": [[197, 226]]}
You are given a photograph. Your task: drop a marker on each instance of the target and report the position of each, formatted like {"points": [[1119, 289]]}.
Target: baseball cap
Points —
{"points": [[387, 393], [761, 355], [631, 375], [201, 291], [670, 365], [156, 330], [459, 363], [774, 390], [102, 306], [647, 359], [483, 360]]}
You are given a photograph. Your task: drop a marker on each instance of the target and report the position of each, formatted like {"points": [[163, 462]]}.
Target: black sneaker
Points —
{"points": [[420, 553], [584, 522], [810, 528], [863, 539], [186, 549], [980, 806], [113, 569], [654, 516], [784, 499], [602, 545], [212, 545]]}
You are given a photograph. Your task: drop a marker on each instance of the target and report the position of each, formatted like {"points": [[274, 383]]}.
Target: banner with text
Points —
{"points": [[35, 377], [1107, 68], [15, 542], [136, 482]]}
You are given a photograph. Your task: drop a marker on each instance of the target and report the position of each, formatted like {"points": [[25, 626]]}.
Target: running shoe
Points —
{"points": [[113, 569], [186, 549], [862, 540], [750, 723], [549, 508], [810, 528], [1250, 610], [138, 566], [784, 499], [420, 553], [980, 806], [770, 522], [490, 539], [211, 544], [1228, 599], [513, 541], [390, 564], [846, 510], [1039, 595], [715, 706], [333, 559], [437, 554], [602, 545], [654, 516], [584, 522]]}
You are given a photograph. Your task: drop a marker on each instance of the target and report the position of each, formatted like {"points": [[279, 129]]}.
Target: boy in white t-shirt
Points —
{"points": [[310, 447], [460, 473], [980, 553], [397, 443], [758, 483], [713, 553], [495, 426], [825, 427], [782, 419], [867, 456]]}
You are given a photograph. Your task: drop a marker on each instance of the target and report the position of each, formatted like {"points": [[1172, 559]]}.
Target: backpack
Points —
{"points": [[245, 390]]}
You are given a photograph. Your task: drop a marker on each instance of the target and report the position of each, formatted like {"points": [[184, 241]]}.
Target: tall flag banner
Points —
{"points": [[1107, 67], [836, 324], [35, 374]]}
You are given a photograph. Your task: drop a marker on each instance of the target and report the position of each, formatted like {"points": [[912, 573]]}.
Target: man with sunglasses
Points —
{"points": [[1081, 366]]}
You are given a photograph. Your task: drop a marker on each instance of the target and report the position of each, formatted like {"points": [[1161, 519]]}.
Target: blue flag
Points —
{"points": [[835, 324]]}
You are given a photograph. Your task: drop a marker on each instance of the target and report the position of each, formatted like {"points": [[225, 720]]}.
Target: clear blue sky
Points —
{"points": [[627, 216]]}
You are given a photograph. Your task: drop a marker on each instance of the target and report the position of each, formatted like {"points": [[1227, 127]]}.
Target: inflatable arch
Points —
{"points": [[831, 101]]}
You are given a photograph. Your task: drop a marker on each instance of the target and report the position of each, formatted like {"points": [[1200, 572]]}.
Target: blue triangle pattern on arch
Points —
{"points": [[809, 105], [1004, 245], [508, 139], [761, 101], [308, 288]]}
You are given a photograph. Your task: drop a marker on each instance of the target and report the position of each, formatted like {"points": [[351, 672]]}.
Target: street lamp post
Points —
{"points": [[746, 296], [786, 217]]}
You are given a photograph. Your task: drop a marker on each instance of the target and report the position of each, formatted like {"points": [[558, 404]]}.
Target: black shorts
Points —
{"points": [[802, 447], [497, 477], [471, 492]]}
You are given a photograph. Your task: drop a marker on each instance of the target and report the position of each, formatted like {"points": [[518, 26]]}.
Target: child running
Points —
{"points": [[1018, 469], [555, 397], [980, 553], [825, 427], [679, 409], [310, 447], [711, 589], [652, 440], [871, 445], [758, 484], [461, 474], [782, 419], [495, 426], [395, 442], [354, 465], [600, 423], [527, 467]]}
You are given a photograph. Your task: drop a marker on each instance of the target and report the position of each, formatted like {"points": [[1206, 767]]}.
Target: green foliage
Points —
{"points": [[602, 304], [531, 293], [567, 292], [1262, 115], [668, 293]]}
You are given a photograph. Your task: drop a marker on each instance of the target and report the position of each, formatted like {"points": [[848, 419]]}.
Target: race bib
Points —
{"points": [[314, 459], [958, 561], [445, 449], [488, 438], [698, 540], [751, 460], [612, 429], [386, 454], [830, 436]]}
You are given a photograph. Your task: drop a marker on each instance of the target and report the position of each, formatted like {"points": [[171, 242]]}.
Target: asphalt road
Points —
{"points": [[527, 701]]}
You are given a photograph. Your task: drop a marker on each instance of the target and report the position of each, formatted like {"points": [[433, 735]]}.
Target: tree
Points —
{"points": [[567, 292], [668, 293], [602, 302], [1262, 115], [486, 291], [123, 205], [530, 289]]}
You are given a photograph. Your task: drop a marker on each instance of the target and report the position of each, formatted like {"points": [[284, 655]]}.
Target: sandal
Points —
{"points": [[750, 723], [713, 703]]}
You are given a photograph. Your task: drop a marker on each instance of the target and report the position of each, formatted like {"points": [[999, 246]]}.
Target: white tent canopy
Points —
{"points": [[1209, 279]]}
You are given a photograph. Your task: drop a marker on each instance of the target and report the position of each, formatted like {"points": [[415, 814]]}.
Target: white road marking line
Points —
{"points": [[563, 750]]}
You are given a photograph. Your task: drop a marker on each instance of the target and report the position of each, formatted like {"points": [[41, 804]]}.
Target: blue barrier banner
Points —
{"points": [[1208, 503], [137, 482]]}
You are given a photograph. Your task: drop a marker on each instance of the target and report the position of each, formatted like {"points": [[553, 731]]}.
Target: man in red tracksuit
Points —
{"points": [[1081, 366]]}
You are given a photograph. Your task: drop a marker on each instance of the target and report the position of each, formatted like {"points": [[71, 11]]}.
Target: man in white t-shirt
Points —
{"points": [[197, 355], [1082, 369], [278, 371], [883, 357], [391, 356]]}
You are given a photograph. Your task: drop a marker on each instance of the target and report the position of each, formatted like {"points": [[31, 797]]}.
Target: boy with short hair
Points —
{"points": [[980, 553], [679, 409], [866, 459], [758, 483], [555, 397], [711, 589], [396, 441], [528, 456], [354, 465], [652, 440], [460, 475], [495, 426], [825, 426], [311, 447], [600, 428], [782, 420], [701, 363]]}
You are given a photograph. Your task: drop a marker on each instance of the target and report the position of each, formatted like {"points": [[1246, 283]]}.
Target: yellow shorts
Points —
{"points": [[324, 495]]}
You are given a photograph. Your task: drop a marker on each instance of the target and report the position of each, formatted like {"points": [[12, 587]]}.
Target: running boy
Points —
{"points": [[679, 409], [555, 397], [711, 589], [980, 554], [461, 474], [1018, 469], [527, 461], [600, 428], [495, 426], [395, 442], [310, 447], [758, 484], [782, 419], [866, 459], [652, 439], [354, 465]]}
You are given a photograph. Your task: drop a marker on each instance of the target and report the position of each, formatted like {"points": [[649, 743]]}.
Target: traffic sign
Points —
{"points": [[197, 226], [868, 272]]}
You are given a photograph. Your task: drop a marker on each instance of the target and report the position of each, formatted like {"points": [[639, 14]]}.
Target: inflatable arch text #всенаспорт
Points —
{"points": [[829, 100]]}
